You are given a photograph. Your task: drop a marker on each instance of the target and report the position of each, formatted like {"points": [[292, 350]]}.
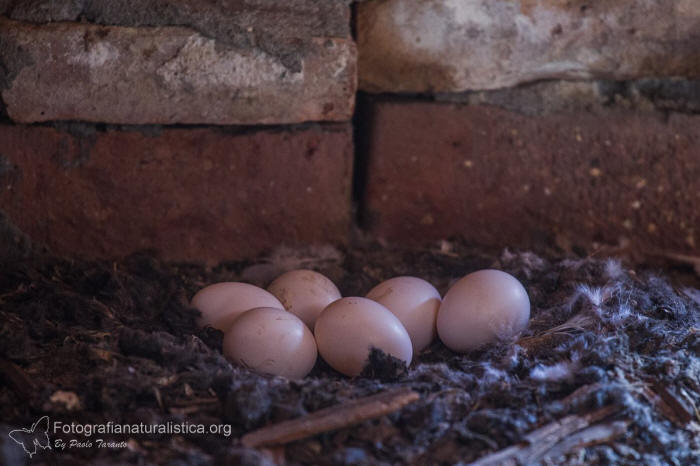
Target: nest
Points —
{"points": [[608, 370]]}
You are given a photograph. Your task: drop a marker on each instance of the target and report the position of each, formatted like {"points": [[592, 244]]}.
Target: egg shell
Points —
{"points": [[221, 303], [271, 341], [349, 328], [304, 293], [481, 308], [415, 302]]}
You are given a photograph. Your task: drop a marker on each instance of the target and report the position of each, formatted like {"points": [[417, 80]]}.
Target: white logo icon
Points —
{"points": [[36, 436]]}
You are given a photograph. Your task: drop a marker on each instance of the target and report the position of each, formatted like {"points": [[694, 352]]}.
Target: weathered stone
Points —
{"points": [[192, 194], [499, 178], [457, 45], [166, 75]]}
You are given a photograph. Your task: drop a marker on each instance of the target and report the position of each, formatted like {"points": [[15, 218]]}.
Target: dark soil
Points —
{"points": [[92, 342]]}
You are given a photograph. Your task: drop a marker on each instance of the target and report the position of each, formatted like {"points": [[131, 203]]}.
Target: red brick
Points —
{"points": [[167, 75], [499, 178], [192, 194]]}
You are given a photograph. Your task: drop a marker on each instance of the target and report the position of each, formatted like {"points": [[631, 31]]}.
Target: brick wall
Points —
{"points": [[210, 131]]}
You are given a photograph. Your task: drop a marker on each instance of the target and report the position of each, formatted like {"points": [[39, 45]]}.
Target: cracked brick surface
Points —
{"points": [[173, 74]]}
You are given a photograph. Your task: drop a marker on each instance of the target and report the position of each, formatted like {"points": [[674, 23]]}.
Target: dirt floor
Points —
{"points": [[607, 372]]}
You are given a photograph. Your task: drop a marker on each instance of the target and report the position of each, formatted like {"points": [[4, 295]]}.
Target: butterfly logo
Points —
{"points": [[36, 436]]}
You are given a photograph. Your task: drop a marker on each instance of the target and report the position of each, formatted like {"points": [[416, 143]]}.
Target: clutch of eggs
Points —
{"points": [[280, 331]]}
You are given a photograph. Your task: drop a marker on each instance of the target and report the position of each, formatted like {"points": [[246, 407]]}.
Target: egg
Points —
{"points": [[271, 341], [481, 308], [415, 302], [221, 303], [304, 293], [349, 328]]}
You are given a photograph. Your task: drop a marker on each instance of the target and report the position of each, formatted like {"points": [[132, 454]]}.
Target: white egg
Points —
{"points": [[349, 328], [481, 308], [415, 302], [304, 293], [221, 303], [271, 341]]}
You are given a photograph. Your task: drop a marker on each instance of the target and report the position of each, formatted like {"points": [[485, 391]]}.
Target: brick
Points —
{"points": [[499, 178], [458, 45], [192, 194], [278, 27], [171, 74]]}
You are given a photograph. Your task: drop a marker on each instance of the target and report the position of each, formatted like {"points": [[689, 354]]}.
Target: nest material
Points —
{"points": [[91, 342]]}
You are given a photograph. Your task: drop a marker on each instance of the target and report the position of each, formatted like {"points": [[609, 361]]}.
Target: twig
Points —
{"points": [[594, 435], [668, 404], [580, 393], [332, 418], [684, 413], [540, 441], [690, 401], [694, 261], [655, 400], [159, 398]]}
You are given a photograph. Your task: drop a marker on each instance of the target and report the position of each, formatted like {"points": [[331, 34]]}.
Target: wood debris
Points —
{"points": [[668, 404], [693, 261], [594, 435], [580, 394], [684, 412], [556, 438], [333, 418]]}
